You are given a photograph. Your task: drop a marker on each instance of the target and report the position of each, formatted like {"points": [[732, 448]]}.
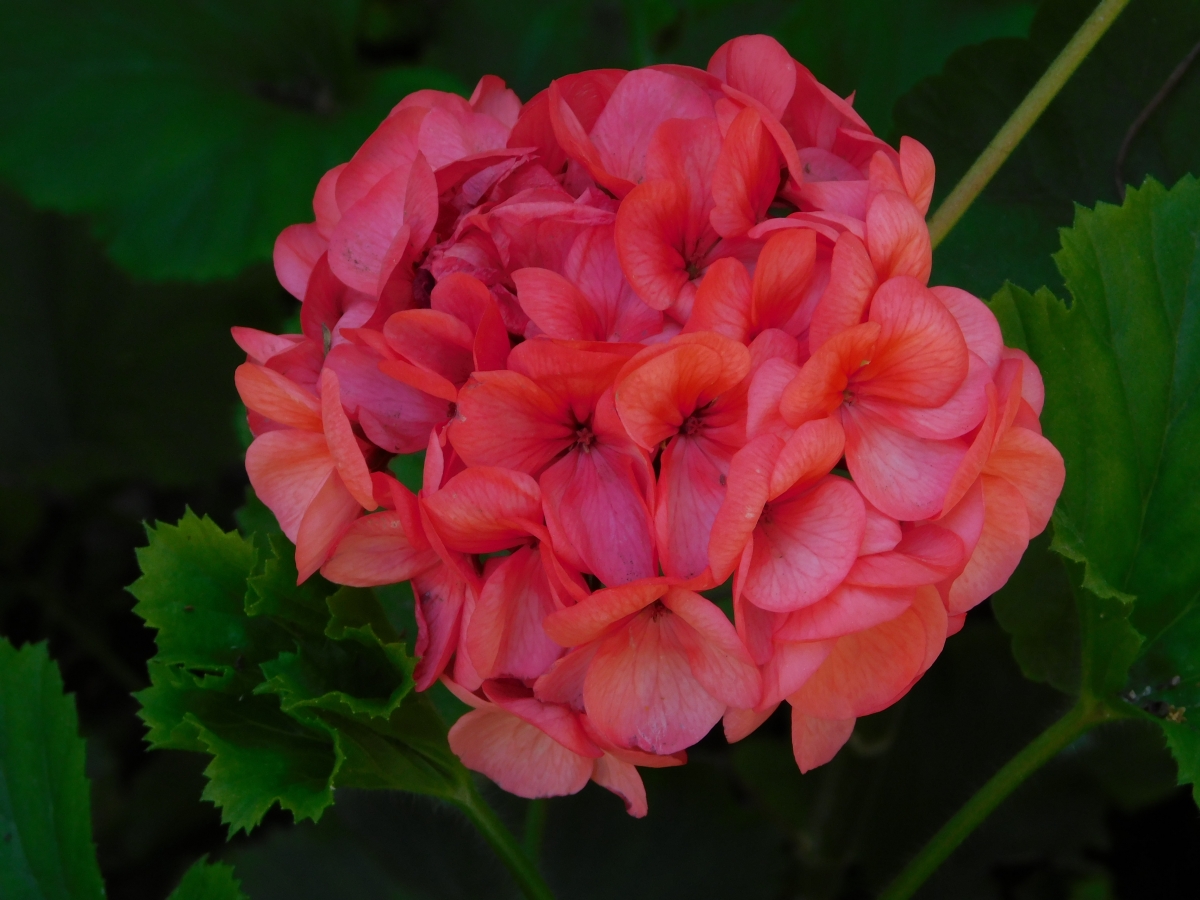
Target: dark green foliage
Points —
{"points": [[208, 881], [1071, 154], [193, 131], [1122, 371], [46, 850], [292, 690]]}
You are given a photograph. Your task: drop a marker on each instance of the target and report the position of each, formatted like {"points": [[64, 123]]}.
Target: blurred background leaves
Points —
{"points": [[149, 154]]}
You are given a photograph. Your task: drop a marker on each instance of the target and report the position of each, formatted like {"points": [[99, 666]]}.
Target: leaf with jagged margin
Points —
{"points": [[260, 755], [208, 881], [192, 590], [1121, 366], [46, 850]]}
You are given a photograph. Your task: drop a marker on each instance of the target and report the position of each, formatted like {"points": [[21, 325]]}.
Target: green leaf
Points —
{"points": [[292, 690], [1121, 366], [192, 590], [208, 881], [1070, 155], [46, 850], [193, 132]]}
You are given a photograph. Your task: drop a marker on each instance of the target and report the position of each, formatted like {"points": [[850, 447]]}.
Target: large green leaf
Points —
{"points": [[193, 131], [46, 850], [1121, 365], [1071, 154], [292, 690]]}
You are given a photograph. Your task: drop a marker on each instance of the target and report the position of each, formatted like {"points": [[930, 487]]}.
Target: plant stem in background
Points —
{"points": [[1022, 119], [535, 826], [484, 818], [1082, 717]]}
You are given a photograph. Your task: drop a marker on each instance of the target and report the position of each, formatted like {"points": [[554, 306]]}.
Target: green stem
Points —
{"points": [[484, 818], [1022, 119], [1082, 717], [535, 825]]}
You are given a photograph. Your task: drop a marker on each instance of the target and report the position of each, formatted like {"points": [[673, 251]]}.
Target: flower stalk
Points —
{"points": [[1014, 130], [1081, 718], [520, 865]]}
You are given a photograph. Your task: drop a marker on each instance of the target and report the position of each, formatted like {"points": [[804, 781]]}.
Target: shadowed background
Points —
{"points": [[149, 154]]}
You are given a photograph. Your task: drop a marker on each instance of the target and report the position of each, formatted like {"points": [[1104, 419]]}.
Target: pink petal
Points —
{"points": [[287, 469], [332, 510], [804, 546], [505, 637], [485, 509], [375, 550], [816, 741], [716, 654], [517, 756], [640, 691]]}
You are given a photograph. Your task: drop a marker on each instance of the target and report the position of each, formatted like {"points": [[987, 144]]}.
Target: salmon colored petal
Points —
{"points": [[563, 683], [917, 171], [575, 143], [848, 609], [1035, 467], [392, 146], [435, 341], [816, 741], [560, 722], [375, 550], [882, 533], [655, 398], [395, 408], [597, 505], [281, 400], [921, 358], [747, 491], [505, 637], [556, 306], [925, 555], [820, 386], [869, 670], [519, 757], [365, 234], [685, 153], [484, 509], [343, 446], [757, 65], [1003, 541], [691, 487], [723, 301], [852, 282], [592, 618], [897, 237], [640, 691], [803, 547], [809, 454], [440, 595], [782, 276], [327, 518], [297, 250], [286, 469], [716, 654], [643, 101], [622, 779], [904, 476], [746, 176], [764, 397], [651, 233], [773, 343], [505, 419], [979, 327], [741, 723], [963, 412], [790, 667]]}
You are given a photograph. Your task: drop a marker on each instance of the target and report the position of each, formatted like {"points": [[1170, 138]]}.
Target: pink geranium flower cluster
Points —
{"points": [[653, 330]]}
